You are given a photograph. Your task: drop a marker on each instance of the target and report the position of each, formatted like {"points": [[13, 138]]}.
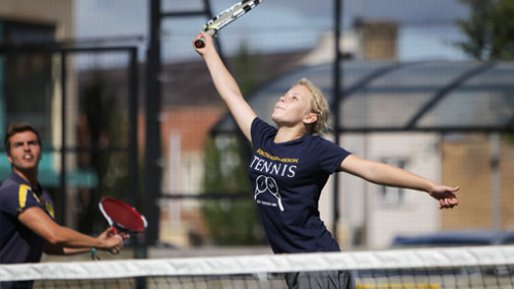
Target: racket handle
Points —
{"points": [[113, 230], [200, 43]]}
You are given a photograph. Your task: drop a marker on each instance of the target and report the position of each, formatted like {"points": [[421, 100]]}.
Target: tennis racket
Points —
{"points": [[121, 216], [226, 17]]}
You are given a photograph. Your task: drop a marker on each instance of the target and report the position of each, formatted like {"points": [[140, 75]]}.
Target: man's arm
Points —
{"points": [[59, 250], [63, 240]]}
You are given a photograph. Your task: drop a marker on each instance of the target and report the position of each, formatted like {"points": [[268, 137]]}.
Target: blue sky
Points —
{"points": [[427, 27]]}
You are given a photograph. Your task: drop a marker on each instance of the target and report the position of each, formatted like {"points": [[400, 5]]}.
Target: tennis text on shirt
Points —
{"points": [[287, 179]]}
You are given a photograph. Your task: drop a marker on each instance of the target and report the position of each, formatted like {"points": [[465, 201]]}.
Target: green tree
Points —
{"points": [[106, 128], [244, 66], [231, 221], [489, 30]]}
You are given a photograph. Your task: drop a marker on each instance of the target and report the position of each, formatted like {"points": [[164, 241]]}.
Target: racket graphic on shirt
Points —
{"points": [[268, 184], [226, 17], [121, 216]]}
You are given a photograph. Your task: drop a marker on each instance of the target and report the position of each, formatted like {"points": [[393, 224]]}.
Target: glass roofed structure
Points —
{"points": [[392, 96], [395, 113]]}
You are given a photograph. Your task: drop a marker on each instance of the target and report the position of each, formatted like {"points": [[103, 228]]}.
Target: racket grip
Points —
{"points": [[200, 43], [113, 230]]}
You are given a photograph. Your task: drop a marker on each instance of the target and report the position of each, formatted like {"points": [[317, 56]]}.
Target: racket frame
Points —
{"points": [[226, 17], [115, 225]]}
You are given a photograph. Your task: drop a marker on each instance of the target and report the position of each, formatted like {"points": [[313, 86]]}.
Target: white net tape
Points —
{"points": [[233, 265]]}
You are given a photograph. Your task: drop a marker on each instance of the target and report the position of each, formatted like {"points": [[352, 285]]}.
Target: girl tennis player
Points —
{"points": [[291, 164]]}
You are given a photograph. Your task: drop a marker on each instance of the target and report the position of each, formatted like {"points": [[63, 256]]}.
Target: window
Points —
{"points": [[26, 85]]}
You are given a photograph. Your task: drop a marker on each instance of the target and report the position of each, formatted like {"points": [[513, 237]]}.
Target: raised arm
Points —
{"points": [[226, 86], [384, 174]]}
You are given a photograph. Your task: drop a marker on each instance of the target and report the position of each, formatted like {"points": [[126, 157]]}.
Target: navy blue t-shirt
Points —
{"points": [[18, 244], [287, 180]]}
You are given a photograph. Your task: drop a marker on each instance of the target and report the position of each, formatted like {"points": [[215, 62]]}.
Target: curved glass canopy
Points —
{"points": [[417, 96]]}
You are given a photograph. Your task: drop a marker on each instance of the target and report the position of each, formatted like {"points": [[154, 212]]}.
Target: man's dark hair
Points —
{"points": [[15, 128]]}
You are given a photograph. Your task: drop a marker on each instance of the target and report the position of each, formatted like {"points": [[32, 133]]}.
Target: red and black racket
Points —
{"points": [[122, 216]]}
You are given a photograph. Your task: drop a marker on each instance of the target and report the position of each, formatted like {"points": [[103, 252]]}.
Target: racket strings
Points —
{"points": [[122, 216], [229, 15]]}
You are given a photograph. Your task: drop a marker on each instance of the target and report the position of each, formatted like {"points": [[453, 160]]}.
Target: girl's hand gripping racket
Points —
{"points": [[226, 17], [121, 216]]}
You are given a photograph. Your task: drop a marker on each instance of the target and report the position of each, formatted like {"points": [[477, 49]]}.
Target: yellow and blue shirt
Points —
{"points": [[18, 244]]}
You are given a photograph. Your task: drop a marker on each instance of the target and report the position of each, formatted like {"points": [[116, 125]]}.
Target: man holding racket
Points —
{"points": [[26, 210], [299, 162]]}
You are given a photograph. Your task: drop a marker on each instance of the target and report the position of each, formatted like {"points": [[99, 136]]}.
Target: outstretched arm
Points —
{"points": [[226, 86], [383, 174], [63, 240]]}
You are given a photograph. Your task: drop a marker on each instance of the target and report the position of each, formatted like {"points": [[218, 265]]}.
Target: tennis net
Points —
{"points": [[434, 268]]}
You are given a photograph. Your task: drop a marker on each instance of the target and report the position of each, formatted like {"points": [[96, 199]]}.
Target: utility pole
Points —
{"points": [[153, 162]]}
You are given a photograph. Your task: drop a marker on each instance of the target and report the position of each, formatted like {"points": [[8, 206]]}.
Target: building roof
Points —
{"points": [[188, 83], [393, 96]]}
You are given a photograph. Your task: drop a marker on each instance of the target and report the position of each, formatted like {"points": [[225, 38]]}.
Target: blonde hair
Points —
{"points": [[319, 105]]}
